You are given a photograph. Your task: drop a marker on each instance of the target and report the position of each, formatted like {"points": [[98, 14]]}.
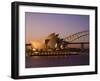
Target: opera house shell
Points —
{"points": [[49, 42]]}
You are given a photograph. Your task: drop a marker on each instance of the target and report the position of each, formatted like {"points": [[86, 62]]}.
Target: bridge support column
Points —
{"points": [[82, 46]]}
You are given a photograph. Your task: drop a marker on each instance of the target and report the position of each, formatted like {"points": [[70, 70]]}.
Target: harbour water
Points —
{"points": [[55, 61]]}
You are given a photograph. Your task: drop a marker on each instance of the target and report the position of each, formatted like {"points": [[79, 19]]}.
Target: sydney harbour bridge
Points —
{"points": [[53, 46]]}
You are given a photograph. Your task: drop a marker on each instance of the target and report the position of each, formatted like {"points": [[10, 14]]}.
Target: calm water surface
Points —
{"points": [[53, 61]]}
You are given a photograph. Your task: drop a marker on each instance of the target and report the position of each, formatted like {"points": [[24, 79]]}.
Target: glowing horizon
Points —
{"points": [[39, 25]]}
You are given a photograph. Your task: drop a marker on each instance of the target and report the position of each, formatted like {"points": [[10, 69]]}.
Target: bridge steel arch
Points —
{"points": [[76, 36]]}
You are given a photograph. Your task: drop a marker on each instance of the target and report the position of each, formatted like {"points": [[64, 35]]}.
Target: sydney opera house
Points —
{"points": [[53, 44], [50, 43]]}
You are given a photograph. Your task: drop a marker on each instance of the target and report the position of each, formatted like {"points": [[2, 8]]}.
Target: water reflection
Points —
{"points": [[53, 61]]}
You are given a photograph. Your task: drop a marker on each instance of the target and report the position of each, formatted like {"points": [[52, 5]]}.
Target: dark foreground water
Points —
{"points": [[53, 61]]}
